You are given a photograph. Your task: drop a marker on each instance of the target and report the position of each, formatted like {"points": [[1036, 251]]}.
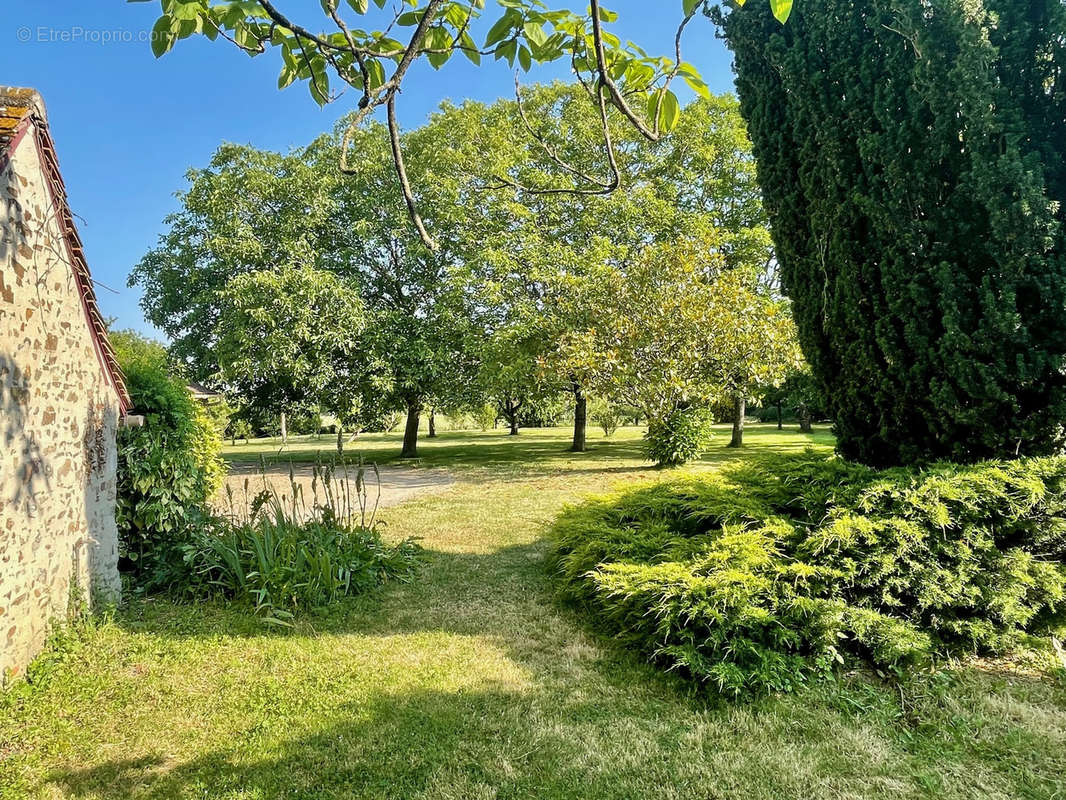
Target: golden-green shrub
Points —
{"points": [[770, 573]]}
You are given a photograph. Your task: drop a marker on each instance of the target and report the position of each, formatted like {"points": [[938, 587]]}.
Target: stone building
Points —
{"points": [[61, 398]]}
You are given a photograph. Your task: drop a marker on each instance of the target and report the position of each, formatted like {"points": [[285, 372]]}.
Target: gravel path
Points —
{"points": [[398, 484]]}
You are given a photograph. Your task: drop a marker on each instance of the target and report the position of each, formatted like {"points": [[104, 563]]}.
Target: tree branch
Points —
{"points": [[401, 174]]}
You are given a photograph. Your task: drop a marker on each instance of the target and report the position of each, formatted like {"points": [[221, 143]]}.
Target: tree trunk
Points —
{"points": [[740, 407], [805, 418], [410, 433], [779, 418], [284, 429], [510, 413], [580, 420], [433, 423]]}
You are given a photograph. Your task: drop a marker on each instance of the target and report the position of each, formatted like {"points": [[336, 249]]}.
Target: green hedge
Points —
{"points": [[774, 571], [167, 470]]}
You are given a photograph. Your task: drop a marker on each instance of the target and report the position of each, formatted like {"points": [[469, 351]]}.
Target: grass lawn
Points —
{"points": [[472, 683]]}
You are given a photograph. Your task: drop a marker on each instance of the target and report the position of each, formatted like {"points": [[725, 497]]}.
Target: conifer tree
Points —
{"points": [[911, 156]]}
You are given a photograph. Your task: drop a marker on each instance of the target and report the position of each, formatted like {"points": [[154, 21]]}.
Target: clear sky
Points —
{"points": [[127, 127]]}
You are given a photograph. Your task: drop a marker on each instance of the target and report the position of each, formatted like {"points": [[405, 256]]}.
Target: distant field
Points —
{"points": [[540, 449]]}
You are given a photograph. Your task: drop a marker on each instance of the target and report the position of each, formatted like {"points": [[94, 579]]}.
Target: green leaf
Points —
{"points": [[319, 82], [669, 109], [535, 34], [470, 48], [525, 58], [376, 73], [186, 10], [781, 9], [287, 76], [503, 27], [163, 35], [360, 6], [438, 39], [507, 50], [697, 85], [689, 6]]}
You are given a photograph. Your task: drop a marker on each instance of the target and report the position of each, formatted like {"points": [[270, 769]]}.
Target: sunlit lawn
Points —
{"points": [[533, 450], [473, 683]]}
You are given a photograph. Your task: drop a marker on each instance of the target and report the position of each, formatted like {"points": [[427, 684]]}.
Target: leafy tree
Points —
{"points": [[292, 337], [606, 415], [132, 348], [677, 329], [911, 160], [798, 393], [510, 375], [422, 334], [525, 246], [501, 252], [249, 210], [258, 212], [755, 343]]}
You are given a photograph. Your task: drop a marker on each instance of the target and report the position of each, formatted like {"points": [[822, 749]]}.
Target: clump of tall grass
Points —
{"points": [[284, 551]]}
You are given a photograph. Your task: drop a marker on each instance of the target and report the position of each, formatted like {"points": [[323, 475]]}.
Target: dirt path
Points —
{"points": [[398, 484]]}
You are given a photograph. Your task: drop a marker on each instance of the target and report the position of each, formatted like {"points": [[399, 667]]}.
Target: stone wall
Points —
{"points": [[58, 419]]}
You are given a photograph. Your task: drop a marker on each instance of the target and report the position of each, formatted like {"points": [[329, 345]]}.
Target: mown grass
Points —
{"points": [[533, 450], [472, 683]]}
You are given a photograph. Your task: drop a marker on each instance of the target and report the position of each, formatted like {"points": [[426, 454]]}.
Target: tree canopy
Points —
{"points": [[485, 314]]}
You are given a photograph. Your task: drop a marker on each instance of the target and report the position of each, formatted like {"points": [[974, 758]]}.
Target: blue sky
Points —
{"points": [[127, 127]]}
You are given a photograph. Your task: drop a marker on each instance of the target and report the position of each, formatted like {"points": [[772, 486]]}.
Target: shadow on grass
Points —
{"points": [[504, 597], [552, 738], [456, 593], [391, 746], [403, 743], [536, 451]]}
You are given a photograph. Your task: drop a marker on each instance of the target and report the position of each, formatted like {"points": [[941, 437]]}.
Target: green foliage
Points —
{"points": [[364, 55], [167, 469], [677, 327], [133, 348], [290, 337], [285, 552], [607, 416], [486, 415], [239, 428], [479, 320], [911, 160], [678, 436], [248, 210], [797, 396], [776, 571], [279, 565]]}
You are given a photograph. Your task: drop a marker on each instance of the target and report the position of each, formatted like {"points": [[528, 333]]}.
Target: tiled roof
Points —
{"points": [[15, 106], [201, 392], [22, 113]]}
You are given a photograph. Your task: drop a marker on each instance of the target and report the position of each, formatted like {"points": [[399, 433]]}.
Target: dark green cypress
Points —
{"points": [[912, 159]]}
